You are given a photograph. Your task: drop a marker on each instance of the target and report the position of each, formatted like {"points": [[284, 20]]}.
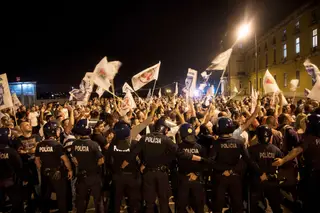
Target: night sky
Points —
{"points": [[56, 44]]}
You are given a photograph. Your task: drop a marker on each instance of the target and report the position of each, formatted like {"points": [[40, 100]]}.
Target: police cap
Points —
{"points": [[50, 129], [187, 133], [224, 126], [161, 125], [4, 136], [121, 130], [82, 128], [264, 134], [313, 125]]}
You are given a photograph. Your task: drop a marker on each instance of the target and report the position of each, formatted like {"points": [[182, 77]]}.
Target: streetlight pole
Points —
{"points": [[256, 62]]}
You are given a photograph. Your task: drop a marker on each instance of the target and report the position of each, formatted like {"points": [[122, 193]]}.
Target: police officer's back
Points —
{"points": [[49, 157], [266, 181], [11, 176], [88, 158]]}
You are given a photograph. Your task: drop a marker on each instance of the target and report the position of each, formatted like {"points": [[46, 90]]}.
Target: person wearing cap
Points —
{"points": [[124, 181], [190, 180], [49, 155], [11, 172], [88, 158], [226, 158], [157, 152], [265, 182]]}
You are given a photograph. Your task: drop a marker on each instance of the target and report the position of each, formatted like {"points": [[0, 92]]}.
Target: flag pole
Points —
{"points": [[154, 86]]}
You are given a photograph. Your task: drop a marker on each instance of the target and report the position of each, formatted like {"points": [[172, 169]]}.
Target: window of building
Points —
{"points": [[298, 45], [313, 17], [274, 56], [285, 51], [298, 76], [285, 79], [315, 38], [267, 60]]}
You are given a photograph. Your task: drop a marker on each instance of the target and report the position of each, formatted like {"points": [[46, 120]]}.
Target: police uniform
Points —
{"points": [[157, 151], [87, 154], [124, 181], [187, 187], [53, 174], [227, 154], [11, 172], [263, 154]]}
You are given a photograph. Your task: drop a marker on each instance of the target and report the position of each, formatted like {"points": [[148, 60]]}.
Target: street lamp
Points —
{"points": [[243, 32]]}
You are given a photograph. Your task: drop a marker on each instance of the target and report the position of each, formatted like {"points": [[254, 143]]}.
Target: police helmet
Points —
{"points": [[50, 129], [313, 125], [224, 126], [82, 128], [121, 130], [161, 125], [4, 136], [264, 134], [187, 133]]}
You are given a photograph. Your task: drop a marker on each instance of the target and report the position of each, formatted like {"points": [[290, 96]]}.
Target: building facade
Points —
{"points": [[282, 50]]}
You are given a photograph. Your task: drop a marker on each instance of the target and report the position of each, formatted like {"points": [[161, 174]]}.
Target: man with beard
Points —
{"points": [[26, 146]]}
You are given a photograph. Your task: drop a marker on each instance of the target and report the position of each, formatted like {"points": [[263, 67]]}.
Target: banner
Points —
{"points": [[190, 82], [315, 91], [5, 95], [126, 88], [16, 102], [77, 95], [312, 70], [221, 61], [127, 104], [269, 83], [294, 85], [105, 72], [144, 77], [100, 91]]}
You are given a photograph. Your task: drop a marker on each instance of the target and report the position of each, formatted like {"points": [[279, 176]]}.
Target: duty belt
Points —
{"points": [[162, 168]]}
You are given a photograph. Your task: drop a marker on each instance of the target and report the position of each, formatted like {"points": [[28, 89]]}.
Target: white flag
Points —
{"points": [[191, 82], [202, 86], [176, 92], [16, 102], [77, 94], [269, 83], [159, 94], [149, 94], [221, 61], [205, 76], [294, 84], [126, 88], [306, 92], [144, 77], [5, 95], [315, 91], [105, 72], [127, 104], [86, 86], [312, 70], [99, 91], [235, 89]]}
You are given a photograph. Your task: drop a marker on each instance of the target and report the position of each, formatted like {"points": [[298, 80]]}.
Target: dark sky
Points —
{"points": [[58, 43]]}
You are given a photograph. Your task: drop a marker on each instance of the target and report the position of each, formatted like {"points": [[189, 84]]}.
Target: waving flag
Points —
{"points": [[190, 82], [176, 90], [221, 61], [149, 94], [127, 104], [105, 72], [315, 91], [294, 84], [159, 94], [269, 83], [126, 88], [205, 76], [100, 91], [312, 70], [145, 76], [235, 89], [16, 102], [5, 95]]}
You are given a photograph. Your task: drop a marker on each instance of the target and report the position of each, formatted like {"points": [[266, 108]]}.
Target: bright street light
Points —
{"points": [[243, 31]]}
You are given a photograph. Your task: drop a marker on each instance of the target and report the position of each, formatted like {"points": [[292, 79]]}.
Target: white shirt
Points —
{"points": [[33, 117], [241, 135]]}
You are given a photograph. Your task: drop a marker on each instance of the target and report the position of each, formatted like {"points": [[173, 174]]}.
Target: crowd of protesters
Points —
{"points": [[248, 150]]}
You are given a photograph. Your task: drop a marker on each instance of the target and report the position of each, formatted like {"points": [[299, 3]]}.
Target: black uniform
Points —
{"points": [[264, 155], [11, 173], [187, 187], [226, 154], [53, 174], [87, 153], [125, 181], [157, 151]]}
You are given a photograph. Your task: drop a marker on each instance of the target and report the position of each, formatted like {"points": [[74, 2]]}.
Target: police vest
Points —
{"points": [[81, 148], [229, 146], [153, 140], [4, 156], [120, 150], [46, 149], [191, 150]]}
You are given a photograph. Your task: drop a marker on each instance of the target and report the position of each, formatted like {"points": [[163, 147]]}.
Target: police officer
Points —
{"points": [[310, 147], [157, 151], [125, 180], [49, 154], [190, 173], [88, 158], [228, 166], [266, 182], [11, 167]]}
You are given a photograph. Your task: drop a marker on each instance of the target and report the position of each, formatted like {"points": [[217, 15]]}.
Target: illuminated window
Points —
{"points": [[298, 45], [285, 51], [285, 79], [315, 38]]}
